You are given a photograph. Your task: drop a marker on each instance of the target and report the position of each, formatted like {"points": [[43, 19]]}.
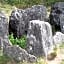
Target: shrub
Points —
{"points": [[18, 41]]}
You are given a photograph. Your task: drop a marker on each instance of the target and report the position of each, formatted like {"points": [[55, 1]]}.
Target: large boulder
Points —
{"points": [[36, 12], [16, 23], [4, 42], [56, 17], [39, 38], [19, 54], [19, 19]]}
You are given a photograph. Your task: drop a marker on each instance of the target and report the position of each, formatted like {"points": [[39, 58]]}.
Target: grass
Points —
{"points": [[6, 9], [62, 46], [62, 62], [6, 60]]}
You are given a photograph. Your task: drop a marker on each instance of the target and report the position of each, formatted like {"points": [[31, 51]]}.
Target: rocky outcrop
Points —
{"points": [[57, 17], [6, 48], [4, 42], [58, 38], [40, 42], [17, 23], [19, 19], [19, 54]]}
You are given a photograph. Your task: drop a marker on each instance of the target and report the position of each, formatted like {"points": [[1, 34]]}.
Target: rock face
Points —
{"points": [[19, 19], [16, 23], [62, 23], [58, 38], [57, 16], [19, 54], [39, 36], [4, 42], [36, 12]]}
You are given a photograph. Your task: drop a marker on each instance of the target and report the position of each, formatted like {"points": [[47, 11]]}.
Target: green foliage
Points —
{"points": [[18, 41], [4, 59], [62, 45], [29, 3], [22, 3]]}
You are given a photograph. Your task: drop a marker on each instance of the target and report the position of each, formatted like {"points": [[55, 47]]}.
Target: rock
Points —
{"points": [[62, 23], [3, 25], [56, 16], [36, 12], [16, 23], [39, 38], [52, 56], [20, 19], [1, 46], [58, 38], [3, 32], [19, 54]]}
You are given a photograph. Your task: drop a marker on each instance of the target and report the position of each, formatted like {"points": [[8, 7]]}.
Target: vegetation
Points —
{"points": [[62, 45], [28, 3], [18, 41], [6, 60], [62, 62]]}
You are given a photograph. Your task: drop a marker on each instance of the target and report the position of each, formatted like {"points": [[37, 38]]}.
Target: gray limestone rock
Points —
{"points": [[62, 22], [36, 12], [19, 54], [39, 38], [17, 23], [19, 19], [58, 38], [57, 17], [4, 42]]}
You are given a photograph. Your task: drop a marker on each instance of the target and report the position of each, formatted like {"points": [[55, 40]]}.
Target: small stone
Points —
{"points": [[51, 56]]}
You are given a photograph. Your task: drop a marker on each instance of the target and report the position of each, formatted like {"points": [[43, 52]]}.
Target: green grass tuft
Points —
{"points": [[18, 41]]}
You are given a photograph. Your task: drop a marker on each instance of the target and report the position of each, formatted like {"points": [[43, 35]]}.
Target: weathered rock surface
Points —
{"points": [[39, 36], [58, 38], [62, 23], [56, 16], [4, 42], [19, 19], [16, 23], [19, 54], [36, 12]]}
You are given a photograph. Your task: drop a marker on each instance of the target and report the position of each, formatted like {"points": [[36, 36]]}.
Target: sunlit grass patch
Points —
{"points": [[62, 45], [62, 62]]}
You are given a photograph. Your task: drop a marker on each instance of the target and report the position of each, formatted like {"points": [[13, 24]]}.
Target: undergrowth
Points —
{"points": [[18, 41]]}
